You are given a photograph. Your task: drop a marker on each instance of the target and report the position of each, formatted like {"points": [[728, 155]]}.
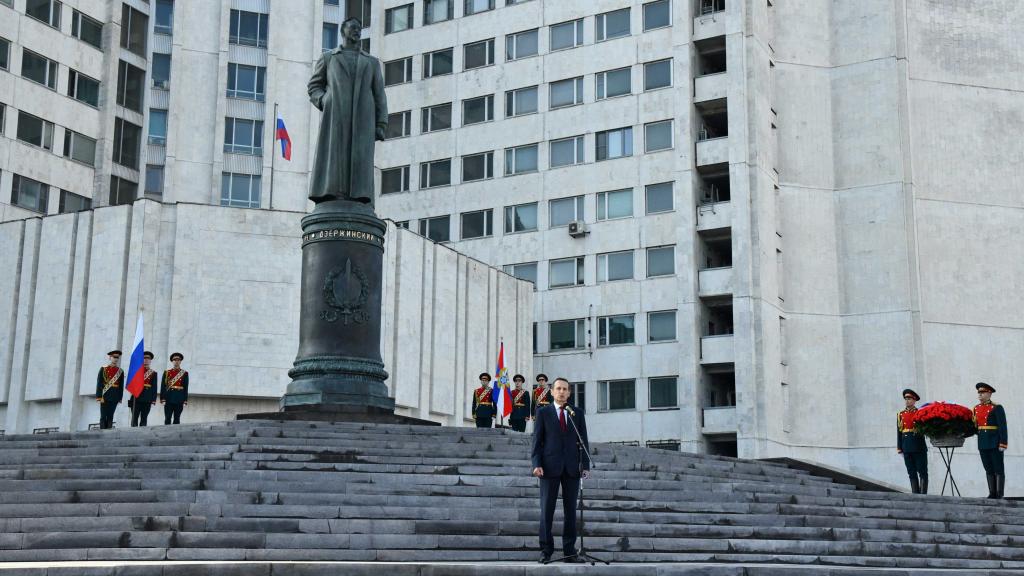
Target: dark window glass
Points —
{"points": [[247, 82], [134, 30], [158, 127], [5, 53], [79, 148], [399, 125], [162, 71], [46, 11], [398, 19], [35, 131], [661, 326], [611, 24], [435, 11], [436, 173], [659, 198], [83, 88], [394, 180], [70, 202], [154, 180], [164, 17], [130, 81], [476, 110], [39, 69], [248, 28], [657, 15], [437, 229], [437, 63], [663, 393], [477, 166], [86, 29], [478, 54], [29, 194], [657, 74], [330, 37], [122, 191], [398, 71], [127, 137], [477, 224]]}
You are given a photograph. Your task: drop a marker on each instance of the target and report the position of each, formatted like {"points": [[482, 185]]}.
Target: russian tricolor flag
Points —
{"points": [[500, 394], [286, 142], [136, 373]]}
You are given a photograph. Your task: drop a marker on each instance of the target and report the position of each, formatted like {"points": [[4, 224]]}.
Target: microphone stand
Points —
{"points": [[581, 449]]}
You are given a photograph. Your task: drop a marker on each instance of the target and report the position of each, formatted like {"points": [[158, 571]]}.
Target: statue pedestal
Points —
{"points": [[338, 366]]}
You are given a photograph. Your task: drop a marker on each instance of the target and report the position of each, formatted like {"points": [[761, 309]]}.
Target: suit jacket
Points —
{"points": [[907, 440], [115, 392], [991, 421], [554, 450], [178, 394]]}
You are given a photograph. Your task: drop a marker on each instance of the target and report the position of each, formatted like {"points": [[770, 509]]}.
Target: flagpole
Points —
{"points": [[273, 155]]}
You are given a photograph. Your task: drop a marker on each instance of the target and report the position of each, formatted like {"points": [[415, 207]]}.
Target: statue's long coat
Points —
{"points": [[343, 166]]}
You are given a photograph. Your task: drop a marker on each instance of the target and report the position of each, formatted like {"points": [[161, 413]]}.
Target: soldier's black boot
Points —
{"points": [[993, 490], [924, 485], [915, 486], [1000, 484]]}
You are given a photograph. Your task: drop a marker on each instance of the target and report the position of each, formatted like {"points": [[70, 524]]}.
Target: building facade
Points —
{"points": [[750, 223]]}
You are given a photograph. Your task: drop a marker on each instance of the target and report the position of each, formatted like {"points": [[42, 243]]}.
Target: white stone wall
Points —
{"points": [[221, 285]]}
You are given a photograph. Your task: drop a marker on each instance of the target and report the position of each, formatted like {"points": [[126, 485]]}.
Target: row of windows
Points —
{"points": [[607, 25], [35, 195], [39, 132], [611, 267], [615, 330], [86, 29], [42, 70], [614, 395], [608, 145]]}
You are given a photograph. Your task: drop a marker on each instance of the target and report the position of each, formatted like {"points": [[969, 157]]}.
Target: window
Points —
{"points": [[521, 101], [658, 136], [615, 204], [39, 69], [615, 330], [477, 6], [83, 88], [398, 71], [5, 54], [661, 261], [578, 394], [565, 272], [661, 326], [526, 271], [614, 83], [134, 30], [437, 229], [35, 131], [359, 9], [3, 115], [514, 2], [477, 224], [662, 393], [436, 173], [248, 29], [87, 29], [658, 74], [566, 92], [477, 110], [246, 82], [127, 137], [73, 202], [241, 190], [567, 334], [521, 160], [164, 23], [616, 395], [154, 180], [711, 6], [657, 15], [398, 19], [403, 224], [565, 210], [437, 63], [659, 198], [158, 127], [130, 82], [29, 194], [436, 118], [521, 45], [615, 266], [329, 38], [478, 54], [567, 35], [611, 25], [162, 71], [243, 136], [122, 191], [567, 151], [79, 148], [521, 218], [478, 167], [435, 11], [394, 180], [46, 11], [399, 125], [614, 143]]}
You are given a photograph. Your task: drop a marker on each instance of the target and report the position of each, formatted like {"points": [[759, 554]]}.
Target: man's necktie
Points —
{"points": [[561, 418]]}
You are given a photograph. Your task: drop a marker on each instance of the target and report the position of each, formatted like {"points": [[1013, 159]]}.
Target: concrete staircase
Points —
{"points": [[267, 491]]}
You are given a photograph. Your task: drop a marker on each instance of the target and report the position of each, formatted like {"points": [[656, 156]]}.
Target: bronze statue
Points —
{"points": [[348, 87]]}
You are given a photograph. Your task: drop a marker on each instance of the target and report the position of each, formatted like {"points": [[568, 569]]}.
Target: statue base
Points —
{"points": [[338, 367], [350, 413]]}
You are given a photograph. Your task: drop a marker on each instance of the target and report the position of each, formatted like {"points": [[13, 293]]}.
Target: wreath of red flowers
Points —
{"points": [[941, 419]]}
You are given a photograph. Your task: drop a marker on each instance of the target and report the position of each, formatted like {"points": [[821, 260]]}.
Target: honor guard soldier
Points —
{"points": [[990, 418], [522, 407], [140, 406], [541, 394], [483, 402], [110, 389], [911, 445], [174, 390]]}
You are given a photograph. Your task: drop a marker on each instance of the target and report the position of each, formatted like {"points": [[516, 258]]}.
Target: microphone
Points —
{"points": [[570, 411]]}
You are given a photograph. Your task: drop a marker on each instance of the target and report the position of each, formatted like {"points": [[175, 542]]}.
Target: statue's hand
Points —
{"points": [[380, 133]]}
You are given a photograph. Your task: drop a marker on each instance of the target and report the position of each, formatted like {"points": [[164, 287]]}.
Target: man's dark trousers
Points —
{"points": [[172, 410], [140, 413], [107, 415], [548, 500]]}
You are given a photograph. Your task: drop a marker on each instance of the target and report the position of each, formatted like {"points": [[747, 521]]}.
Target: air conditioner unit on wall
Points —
{"points": [[578, 229]]}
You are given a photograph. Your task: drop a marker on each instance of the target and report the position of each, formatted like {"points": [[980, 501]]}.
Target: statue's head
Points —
{"points": [[352, 30]]}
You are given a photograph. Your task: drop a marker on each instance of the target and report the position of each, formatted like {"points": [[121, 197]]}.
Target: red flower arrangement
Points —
{"points": [[939, 419]]}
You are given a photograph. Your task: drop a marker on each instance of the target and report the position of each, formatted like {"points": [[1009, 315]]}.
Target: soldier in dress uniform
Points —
{"points": [[174, 390], [522, 407], [911, 444], [140, 406], [483, 403], [110, 389], [990, 418], [541, 394]]}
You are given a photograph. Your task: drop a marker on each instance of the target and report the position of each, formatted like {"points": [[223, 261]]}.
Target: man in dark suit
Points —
{"points": [[993, 438], [556, 462]]}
